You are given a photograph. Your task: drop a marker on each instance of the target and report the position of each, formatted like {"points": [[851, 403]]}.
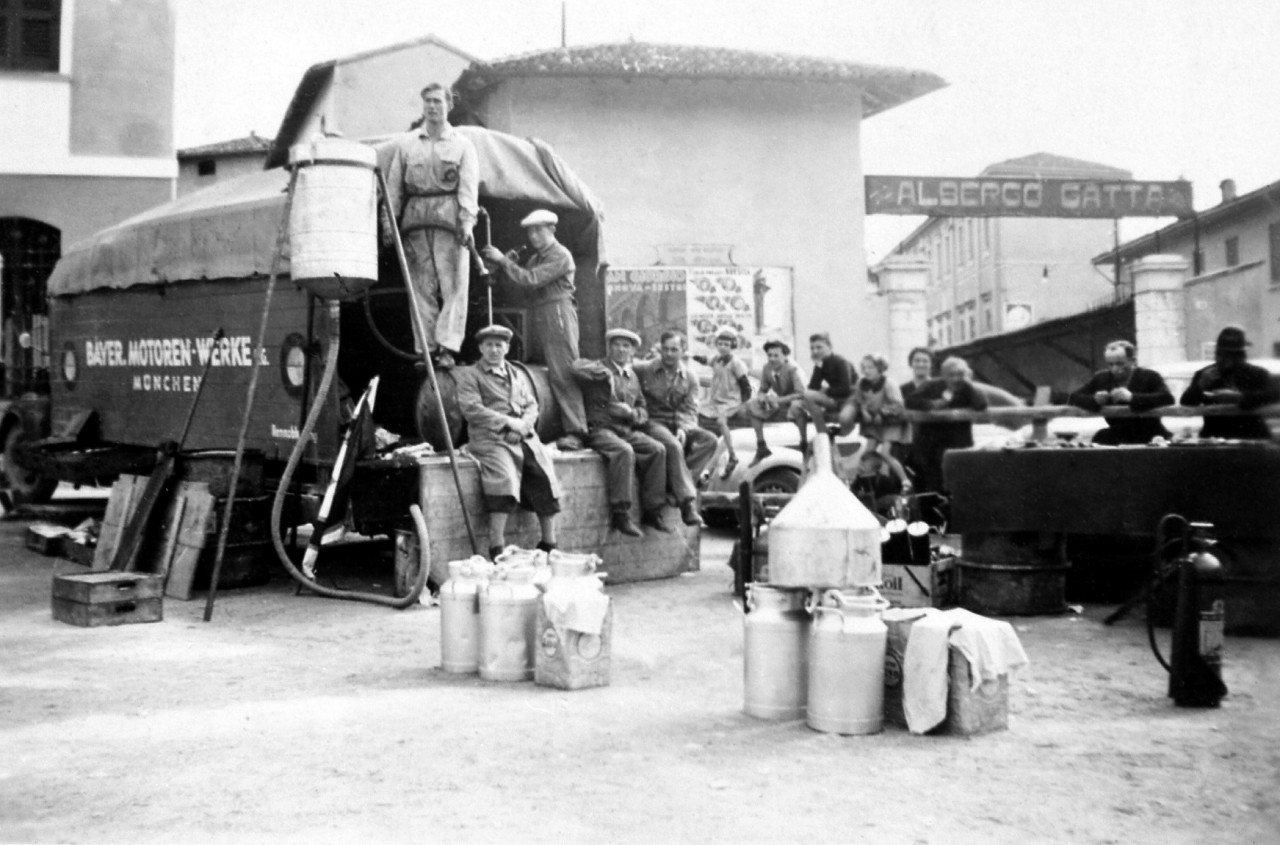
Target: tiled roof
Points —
{"points": [[884, 86], [1050, 166], [236, 146]]}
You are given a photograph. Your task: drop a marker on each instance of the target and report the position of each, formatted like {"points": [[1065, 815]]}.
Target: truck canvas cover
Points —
{"points": [[228, 231]]}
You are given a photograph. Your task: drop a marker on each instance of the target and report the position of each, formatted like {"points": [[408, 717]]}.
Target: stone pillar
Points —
{"points": [[1159, 316], [904, 280]]}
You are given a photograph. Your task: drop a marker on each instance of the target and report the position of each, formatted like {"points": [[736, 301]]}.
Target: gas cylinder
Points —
{"points": [[846, 663], [508, 620], [333, 232], [460, 614], [824, 537], [775, 652], [568, 658]]}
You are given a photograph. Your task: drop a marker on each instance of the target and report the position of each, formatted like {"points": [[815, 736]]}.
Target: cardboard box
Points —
{"points": [[969, 712], [46, 538], [925, 585]]}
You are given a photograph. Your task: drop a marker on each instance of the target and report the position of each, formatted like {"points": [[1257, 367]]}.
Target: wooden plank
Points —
{"points": [[111, 613], [192, 531], [120, 506]]}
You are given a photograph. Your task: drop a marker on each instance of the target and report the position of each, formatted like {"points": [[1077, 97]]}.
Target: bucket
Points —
{"points": [[1012, 574], [333, 230], [846, 663]]}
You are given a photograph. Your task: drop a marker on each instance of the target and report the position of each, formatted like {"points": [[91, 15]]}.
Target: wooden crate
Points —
{"points": [[94, 599], [583, 522]]}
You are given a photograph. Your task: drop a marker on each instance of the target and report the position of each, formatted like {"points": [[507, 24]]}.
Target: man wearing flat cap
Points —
{"points": [[433, 186], [781, 383], [1230, 381], [553, 318], [616, 413], [501, 410], [671, 396]]}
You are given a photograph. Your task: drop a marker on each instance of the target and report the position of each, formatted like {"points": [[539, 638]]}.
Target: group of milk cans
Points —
{"points": [[528, 615], [814, 640]]}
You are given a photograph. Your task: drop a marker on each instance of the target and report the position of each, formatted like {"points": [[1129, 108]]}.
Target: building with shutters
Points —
{"points": [[86, 100]]}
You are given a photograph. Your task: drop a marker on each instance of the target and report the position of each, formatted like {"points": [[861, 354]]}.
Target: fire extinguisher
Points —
{"points": [[1195, 660]]}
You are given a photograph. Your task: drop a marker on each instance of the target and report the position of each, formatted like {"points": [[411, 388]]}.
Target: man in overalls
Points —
{"points": [[501, 410], [433, 183], [553, 319]]}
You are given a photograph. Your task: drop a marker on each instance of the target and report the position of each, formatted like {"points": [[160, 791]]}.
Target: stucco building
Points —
{"points": [[989, 275], [208, 164], [1231, 272], [86, 99], [700, 155]]}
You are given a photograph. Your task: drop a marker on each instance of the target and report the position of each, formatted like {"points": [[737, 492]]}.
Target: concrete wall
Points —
{"points": [[228, 167], [79, 205], [379, 93], [772, 168], [122, 78]]}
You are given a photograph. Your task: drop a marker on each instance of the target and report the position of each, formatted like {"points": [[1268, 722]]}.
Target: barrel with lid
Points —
{"points": [[333, 231]]}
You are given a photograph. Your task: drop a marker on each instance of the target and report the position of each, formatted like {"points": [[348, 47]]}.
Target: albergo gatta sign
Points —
{"points": [[942, 196]]}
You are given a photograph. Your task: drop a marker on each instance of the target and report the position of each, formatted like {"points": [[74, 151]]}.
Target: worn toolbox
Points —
{"points": [[92, 599]]}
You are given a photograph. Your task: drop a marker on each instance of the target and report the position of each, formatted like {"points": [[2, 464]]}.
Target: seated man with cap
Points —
{"points": [[501, 410], [1231, 381], [781, 383], [671, 397], [547, 273], [616, 413]]}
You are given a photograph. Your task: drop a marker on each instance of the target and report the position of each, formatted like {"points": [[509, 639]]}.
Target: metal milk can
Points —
{"points": [[508, 618], [846, 663], [573, 598], [775, 652], [460, 614]]}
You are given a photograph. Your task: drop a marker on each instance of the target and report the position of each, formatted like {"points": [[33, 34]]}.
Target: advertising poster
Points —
{"points": [[753, 301]]}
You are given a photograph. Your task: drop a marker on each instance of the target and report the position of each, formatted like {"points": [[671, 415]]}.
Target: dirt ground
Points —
{"points": [[300, 719]]}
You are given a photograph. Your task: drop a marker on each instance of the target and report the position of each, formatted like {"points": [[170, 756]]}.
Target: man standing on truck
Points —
{"points": [[615, 414], [501, 411], [433, 184], [671, 395], [553, 320]]}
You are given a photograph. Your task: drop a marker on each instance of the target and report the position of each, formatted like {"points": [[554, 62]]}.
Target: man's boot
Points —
{"points": [[654, 520], [622, 522], [689, 513], [762, 452], [544, 546]]}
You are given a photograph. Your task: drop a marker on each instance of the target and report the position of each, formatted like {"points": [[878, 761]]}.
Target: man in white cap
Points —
{"points": [[616, 411], [433, 184], [501, 410], [547, 274]]}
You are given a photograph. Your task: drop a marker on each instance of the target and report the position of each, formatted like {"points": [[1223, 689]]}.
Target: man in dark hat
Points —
{"points": [[781, 383], [1232, 382], [671, 396], [547, 274], [501, 410], [1124, 384], [616, 412]]}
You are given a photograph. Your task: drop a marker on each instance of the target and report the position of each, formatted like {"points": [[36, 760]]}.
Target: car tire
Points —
{"points": [[22, 486], [780, 480]]}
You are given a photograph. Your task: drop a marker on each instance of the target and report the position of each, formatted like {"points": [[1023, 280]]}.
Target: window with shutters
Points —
{"points": [[29, 34]]}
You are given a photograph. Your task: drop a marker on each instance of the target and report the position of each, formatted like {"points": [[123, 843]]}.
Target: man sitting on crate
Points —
{"points": [[671, 395], [501, 411], [616, 413]]}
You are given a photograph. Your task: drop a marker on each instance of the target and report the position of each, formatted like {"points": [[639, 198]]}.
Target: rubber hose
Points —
{"points": [[378, 335], [277, 506]]}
